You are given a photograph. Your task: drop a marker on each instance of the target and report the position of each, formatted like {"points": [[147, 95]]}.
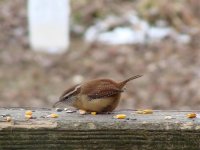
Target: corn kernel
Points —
{"points": [[54, 116], [147, 111], [28, 116], [8, 118], [191, 115], [120, 116], [93, 113], [28, 112]]}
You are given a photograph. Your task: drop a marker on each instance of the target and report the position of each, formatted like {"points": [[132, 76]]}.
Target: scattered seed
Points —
{"points": [[29, 112], [54, 115], [120, 116], [139, 111], [82, 112], [70, 111], [145, 111], [191, 115], [65, 109], [93, 113], [8, 118], [168, 117]]}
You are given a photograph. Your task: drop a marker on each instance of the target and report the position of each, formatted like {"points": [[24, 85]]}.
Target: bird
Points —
{"points": [[97, 95]]}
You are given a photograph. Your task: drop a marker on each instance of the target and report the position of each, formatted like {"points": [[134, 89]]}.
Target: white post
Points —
{"points": [[49, 25]]}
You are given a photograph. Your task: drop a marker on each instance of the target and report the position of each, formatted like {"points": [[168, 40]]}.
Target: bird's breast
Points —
{"points": [[97, 105]]}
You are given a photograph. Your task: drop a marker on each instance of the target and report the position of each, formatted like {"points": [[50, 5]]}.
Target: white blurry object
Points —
{"points": [[183, 38], [101, 26], [158, 33], [91, 34], [130, 29], [122, 35], [49, 25]]}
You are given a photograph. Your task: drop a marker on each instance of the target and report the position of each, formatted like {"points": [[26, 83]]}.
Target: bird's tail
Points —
{"points": [[123, 83]]}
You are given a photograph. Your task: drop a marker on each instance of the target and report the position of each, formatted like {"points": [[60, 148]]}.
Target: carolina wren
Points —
{"points": [[99, 95]]}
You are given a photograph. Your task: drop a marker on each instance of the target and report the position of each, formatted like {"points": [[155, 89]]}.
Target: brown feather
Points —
{"points": [[100, 89], [70, 92], [123, 83]]}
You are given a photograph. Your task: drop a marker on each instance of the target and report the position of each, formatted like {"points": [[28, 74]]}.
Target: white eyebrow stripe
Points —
{"points": [[78, 86]]}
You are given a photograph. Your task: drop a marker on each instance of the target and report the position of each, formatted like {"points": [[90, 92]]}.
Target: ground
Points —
{"points": [[170, 69]]}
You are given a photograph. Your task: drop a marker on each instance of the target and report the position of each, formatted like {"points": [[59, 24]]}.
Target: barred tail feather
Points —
{"points": [[123, 83]]}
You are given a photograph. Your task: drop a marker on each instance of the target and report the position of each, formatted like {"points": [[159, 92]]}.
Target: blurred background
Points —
{"points": [[111, 39]]}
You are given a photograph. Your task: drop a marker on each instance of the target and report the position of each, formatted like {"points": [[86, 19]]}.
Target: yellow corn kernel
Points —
{"points": [[54, 115], [147, 111], [191, 115], [8, 118], [28, 116], [29, 112], [93, 113], [120, 116]]}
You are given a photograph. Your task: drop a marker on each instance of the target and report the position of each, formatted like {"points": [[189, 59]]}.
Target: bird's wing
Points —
{"points": [[103, 91]]}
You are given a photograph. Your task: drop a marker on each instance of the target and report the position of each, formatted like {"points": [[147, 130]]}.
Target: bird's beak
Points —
{"points": [[124, 89]]}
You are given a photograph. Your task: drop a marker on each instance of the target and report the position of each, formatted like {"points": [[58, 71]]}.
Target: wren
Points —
{"points": [[99, 95]]}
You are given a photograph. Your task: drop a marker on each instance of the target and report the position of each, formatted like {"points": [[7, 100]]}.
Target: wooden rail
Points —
{"points": [[101, 131]]}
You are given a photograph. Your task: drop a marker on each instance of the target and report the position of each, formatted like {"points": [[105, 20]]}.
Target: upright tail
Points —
{"points": [[123, 83]]}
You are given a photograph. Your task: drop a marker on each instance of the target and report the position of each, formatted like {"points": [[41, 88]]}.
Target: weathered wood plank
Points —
{"points": [[102, 131]]}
